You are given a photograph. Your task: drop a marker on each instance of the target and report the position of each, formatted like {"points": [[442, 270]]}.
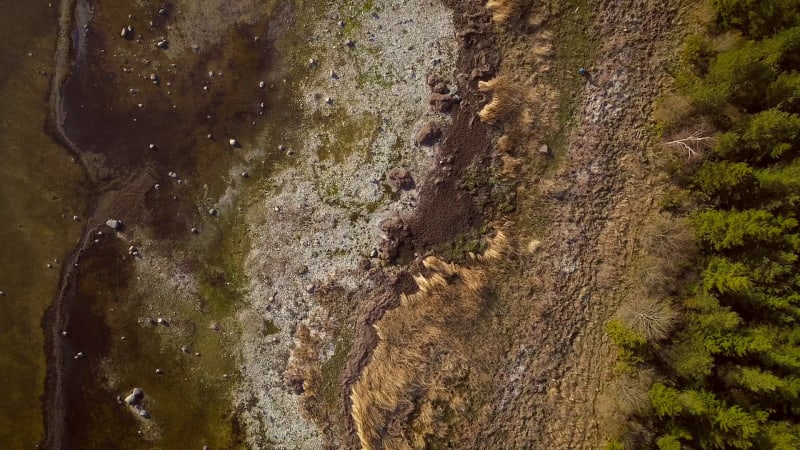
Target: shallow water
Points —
{"points": [[40, 192]]}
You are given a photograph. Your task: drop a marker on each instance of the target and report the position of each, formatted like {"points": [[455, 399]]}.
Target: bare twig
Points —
{"points": [[695, 142]]}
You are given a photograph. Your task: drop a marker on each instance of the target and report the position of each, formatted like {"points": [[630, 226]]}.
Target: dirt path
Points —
{"points": [[549, 388]]}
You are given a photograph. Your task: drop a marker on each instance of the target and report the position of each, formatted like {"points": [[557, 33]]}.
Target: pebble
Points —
{"points": [[310, 288], [152, 146], [341, 24], [245, 175], [233, 142], [2, 293], [328, 100], [261, 84], [162, 321], [213, 212], [194, 231], [159, 372], [144, 413], [78, 355], [76, 218], [114, 224], [209, 136], [162, 44]]}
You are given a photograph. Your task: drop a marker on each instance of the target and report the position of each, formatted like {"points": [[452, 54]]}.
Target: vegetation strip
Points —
{"points": [[726, 373]]}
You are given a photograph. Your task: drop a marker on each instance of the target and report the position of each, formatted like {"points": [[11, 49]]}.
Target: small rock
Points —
{"points": [[245, 175], [544, 149], [162, 44], [78, 355], [194, 231], [334, 75], [152, 146], [2, 293], [233, 142], [157, 186], [328, 100], [153, 77], [144, 413], [281, 148], [76, 218], [172, 175], [214, 326], [373, 253], [162, 321], [350, 43], [185, 348], [261, 84], [63, 333], [124, 32], [341, 24], [310, 288], [159, 372], [209, 136], [162, 12], [213, 212]]}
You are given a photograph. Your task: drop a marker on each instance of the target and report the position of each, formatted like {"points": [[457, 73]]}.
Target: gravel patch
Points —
{"points": [[363, 102]]}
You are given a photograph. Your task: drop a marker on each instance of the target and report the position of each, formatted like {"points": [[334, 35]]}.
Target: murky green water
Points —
{"points": [[39, 185]]}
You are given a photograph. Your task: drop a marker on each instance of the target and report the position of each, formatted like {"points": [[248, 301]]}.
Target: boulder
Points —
{"points": [[442, 103], [399, 178], [428, 134]]}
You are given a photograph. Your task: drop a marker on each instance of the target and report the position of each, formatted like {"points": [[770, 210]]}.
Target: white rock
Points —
{"points": [[233, 142]]}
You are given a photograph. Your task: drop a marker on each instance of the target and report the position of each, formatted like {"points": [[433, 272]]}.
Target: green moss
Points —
{"points": [[332, 370]]}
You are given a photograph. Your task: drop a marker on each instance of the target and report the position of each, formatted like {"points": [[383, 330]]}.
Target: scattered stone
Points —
{"points": [[215, 326], [213, 212], [312, 62], [172, 175], [185, 348], [153, 77], [124, 32], [245, 174], [159, 372], [281, 147], [233, 142], [544, 149], [76, 218], [261, 84], [328, 100], [63, 333], [78, 355], [341, 23], [162, 44], [310, 288], [144, 413], [194, 231], [350, 43], [399, 178], [428, 134], [136, 395], [49, 266], [373, 253], [2, 293], [162, 12], [334, 75], [152, 146], [156, 186], [209, 136], [162, 321]]}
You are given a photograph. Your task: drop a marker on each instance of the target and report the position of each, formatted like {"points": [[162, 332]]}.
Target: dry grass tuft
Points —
{"points": [[383, 399], [501, 10], [650, 317]]}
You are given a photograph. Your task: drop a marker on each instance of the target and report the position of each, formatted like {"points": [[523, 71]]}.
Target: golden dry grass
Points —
{"points": [[501, 10], [409, 337]]}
